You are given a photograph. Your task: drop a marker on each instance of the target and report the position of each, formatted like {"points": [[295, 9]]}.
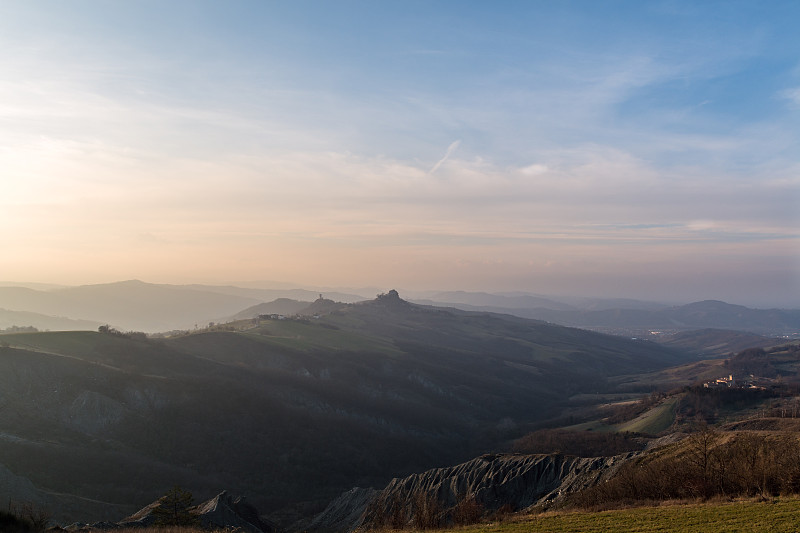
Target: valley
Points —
{"points": [[294, 408]]}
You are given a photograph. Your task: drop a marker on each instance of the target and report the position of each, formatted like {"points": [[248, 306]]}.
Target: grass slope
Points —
{"points": [[745, 516], [653, 421], [775, 516]]}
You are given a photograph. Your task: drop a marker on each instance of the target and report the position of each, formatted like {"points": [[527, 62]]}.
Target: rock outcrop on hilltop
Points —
{"points": [[226, 511], [220, 512], [485, 484]]}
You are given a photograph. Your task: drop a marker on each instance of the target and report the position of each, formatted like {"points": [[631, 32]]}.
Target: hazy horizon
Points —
{"points": [[408, 293], [617, 150]]}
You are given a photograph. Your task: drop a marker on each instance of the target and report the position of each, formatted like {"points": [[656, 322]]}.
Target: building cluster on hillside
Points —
{"points": [[729, 382], [272, 316], [722, 382]]}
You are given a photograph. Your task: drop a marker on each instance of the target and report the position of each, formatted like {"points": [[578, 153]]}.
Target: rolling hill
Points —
{"points": [[288, 412], [713, 342], [280, 306], [10, 319]]}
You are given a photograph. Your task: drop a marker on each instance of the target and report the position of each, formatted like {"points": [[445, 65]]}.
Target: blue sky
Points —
{"points": [[640, 149]]}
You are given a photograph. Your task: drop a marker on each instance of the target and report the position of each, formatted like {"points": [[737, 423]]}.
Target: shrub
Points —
{"points": [[24, 517], [705, 465], [174, 509], [467, 511]]}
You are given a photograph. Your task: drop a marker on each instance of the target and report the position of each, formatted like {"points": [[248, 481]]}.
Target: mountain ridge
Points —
{"points": [[696, 315], [136, 305]]}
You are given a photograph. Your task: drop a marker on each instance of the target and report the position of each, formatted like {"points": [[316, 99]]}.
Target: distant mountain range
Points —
{"points": [[643, 317], [130, 305], [11, 319], [138, 306], [266, 295]]}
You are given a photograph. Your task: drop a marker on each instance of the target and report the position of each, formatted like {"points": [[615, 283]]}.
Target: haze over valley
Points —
{"points": [[156, 308]]}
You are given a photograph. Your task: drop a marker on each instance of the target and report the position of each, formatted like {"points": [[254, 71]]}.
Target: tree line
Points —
{"points": [[705, 464]]}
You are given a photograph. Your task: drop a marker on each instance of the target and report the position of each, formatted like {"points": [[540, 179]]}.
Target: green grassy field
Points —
{"points": [[653, 421], [772, 516]]}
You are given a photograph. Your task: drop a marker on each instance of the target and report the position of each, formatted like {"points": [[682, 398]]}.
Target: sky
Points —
{"points": [[602, 148]]}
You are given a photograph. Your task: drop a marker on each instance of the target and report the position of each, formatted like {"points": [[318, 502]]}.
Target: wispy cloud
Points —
{"points": [[450, 149], [534, 169], [793, 95]]}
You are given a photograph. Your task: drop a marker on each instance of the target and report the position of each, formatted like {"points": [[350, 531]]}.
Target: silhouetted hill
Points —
{"points": [[281, 306], [322, 306]]}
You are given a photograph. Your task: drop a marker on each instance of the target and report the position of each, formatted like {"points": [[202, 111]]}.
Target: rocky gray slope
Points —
{"points": [[345, 513], [481, 486], [223, 511]]}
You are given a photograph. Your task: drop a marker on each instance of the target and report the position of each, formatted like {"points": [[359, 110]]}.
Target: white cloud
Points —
{"points": [[345, 193], [793, 95], [534, 170]]}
